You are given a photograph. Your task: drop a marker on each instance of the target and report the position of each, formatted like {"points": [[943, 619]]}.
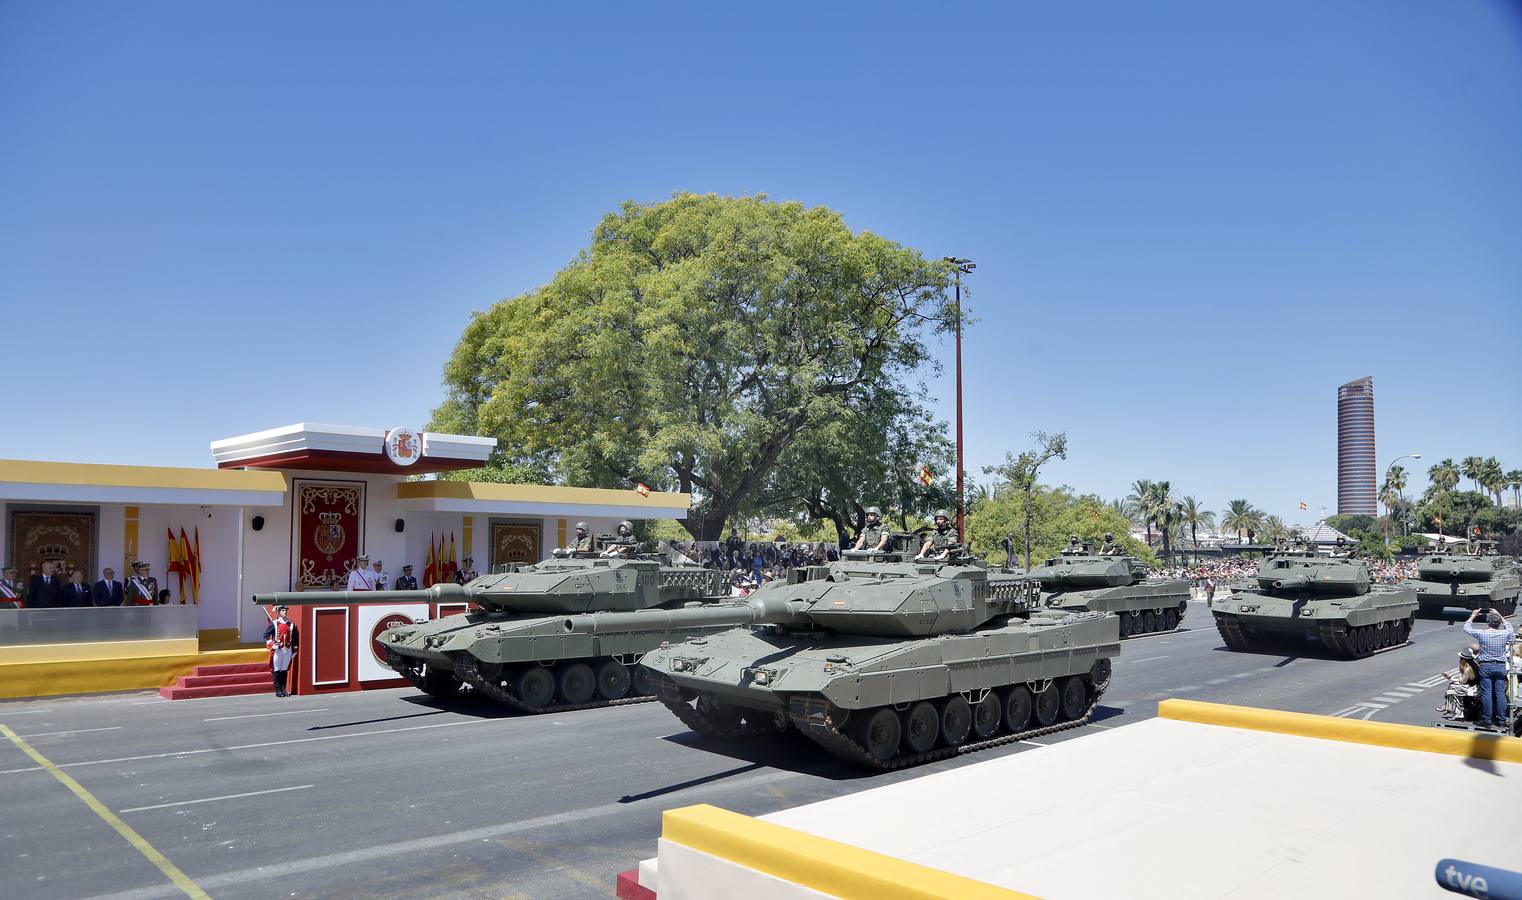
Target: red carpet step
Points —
{"points": [[229, 680]]}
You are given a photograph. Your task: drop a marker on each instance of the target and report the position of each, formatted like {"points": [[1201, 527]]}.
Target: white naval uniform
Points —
{"points": [[361, 580]]}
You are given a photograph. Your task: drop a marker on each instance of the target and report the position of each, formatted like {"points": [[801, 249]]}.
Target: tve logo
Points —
{"points": [[1475, 880]]}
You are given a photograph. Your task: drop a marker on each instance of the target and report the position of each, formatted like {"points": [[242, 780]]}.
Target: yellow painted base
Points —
{"points": [[1426, 739], [45, 679], [820, 864], [41, 653]]}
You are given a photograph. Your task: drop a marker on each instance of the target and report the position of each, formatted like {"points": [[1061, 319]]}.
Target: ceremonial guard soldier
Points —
{"points": [[941, 540], [405, 581], [281, 639], [361, 578], [10, 590], [467, 572], [873, 535], [142, 588]]}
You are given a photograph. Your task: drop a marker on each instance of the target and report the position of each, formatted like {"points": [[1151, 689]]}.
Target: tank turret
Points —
{"points": [[883, 661], [1330, 599], [1476, 578]]}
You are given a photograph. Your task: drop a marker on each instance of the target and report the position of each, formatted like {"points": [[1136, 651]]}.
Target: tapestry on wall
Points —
{"points": [[67, 538], [329, 533], [514, 543]]}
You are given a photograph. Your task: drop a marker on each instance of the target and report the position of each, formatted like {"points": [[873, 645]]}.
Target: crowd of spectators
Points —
{"points": [[750, 563], [1207, 577]]}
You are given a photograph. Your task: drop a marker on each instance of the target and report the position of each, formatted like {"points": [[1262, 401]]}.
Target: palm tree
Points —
{"points": [[1472, 467], [1196, 517], [1493, 477], [1514, 481], [1274, 530], [1139, 504], [1240, 517], [1120, 507], [1444, 475], [1164, 509]]}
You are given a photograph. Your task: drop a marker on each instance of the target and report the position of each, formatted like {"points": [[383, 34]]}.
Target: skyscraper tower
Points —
{"points": [[1356, 490]]}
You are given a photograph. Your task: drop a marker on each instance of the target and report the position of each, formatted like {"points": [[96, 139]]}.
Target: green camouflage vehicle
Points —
{"points": [[1112, 583], [1298, 594], [515, 648], [882, 659], [1476, 579]]}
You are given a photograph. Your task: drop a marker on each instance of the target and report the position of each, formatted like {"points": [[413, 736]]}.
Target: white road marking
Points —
{"points": [[1148, 659], [1417, 686], [1035, 743], [1344, 712], [1097, 725], [1218, 681], [1241, 675], [1403, 694], [293, 712], [258, 746], [1368, 715], [75, 731], [24, 712], [1384, 699], [277, 872], [1375, 705], [299, 787]]}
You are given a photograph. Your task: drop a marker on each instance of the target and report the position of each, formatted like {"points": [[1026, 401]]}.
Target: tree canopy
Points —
{"points": [[1056, 513], [747, 351]]}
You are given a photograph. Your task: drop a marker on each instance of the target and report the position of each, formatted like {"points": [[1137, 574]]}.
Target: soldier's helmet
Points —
{"points": [[874, 511], [942, 514], [626, 527], [1109, 537]]}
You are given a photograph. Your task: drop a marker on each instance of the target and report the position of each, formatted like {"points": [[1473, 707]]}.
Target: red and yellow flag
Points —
{"points": [[1303, 507], [642, 489], [925, 476], [177, 561], [454, 563], [430, 565], [190, 567]]}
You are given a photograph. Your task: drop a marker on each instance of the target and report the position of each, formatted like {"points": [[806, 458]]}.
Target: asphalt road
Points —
{"points": [[390, 793]]}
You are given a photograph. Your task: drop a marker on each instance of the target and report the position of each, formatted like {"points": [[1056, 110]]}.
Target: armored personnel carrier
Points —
{"points": [[1330, 598], [1476, 579], [882, 659], [515, 649], [1112, 583]]}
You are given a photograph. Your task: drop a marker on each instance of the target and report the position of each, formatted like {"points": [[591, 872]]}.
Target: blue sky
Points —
{"points": [[1192, 221]]}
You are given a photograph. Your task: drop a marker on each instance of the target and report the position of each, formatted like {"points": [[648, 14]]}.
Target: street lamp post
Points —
{"points": [[1387, 481], [960, 267]]}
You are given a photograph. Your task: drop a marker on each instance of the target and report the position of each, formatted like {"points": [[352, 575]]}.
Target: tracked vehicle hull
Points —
{"points": [[1499, 594], [884, 703], [1351, 627], [1150, 607]]}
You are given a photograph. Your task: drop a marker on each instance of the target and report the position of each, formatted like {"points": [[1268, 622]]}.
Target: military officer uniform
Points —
{"points": [[873, 533], [142, 588], [406, 581], [942, 539], [10, 590], [282, 640]]}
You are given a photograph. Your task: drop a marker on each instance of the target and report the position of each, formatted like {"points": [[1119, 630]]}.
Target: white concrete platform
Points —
{"points": [[1177, 809]]}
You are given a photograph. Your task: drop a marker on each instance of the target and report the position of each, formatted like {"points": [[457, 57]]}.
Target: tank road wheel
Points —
{"points": [[1405, 630], [1074, 696], [922, 726], [878, 732], [1127, 625], [987, 716], [576, 683], [613, 680], [956, 720], [1170, 619], [440, 682], [1099, 674], [641, 680], [1386, 636], [1149, 621], [1048, 705], [723, 720], [535, 686], [1017, 708]]}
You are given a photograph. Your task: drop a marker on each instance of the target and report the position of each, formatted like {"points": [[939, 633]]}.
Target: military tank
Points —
{"points": [[1476, 579], [1113, 583], [1329, 598], [514, 648], [881, 659]]}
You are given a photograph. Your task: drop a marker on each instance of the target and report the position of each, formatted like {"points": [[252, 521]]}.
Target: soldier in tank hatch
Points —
{"points": [[623, 542], [939, 542], [1110, 548], [581, 543], [874, 536]]}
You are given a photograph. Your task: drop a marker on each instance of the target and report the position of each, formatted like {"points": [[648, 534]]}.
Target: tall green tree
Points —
{"points": [[694, 343], [1195, 516], [1514, 481], [1018, 475], [1473, 467], [1055, 513], [1240, 518], [1443, 476], [1139, 501], [1493, 477]]}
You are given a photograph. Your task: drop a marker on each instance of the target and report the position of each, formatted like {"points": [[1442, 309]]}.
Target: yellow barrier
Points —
{"points": [[44, 679], [817, 863], [1355, 731]]}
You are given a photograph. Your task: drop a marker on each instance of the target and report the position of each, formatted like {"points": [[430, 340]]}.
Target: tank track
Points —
{"points": [[671, 697], [1136, 624], [1231, 632], [811, 717], [468, 673], [1342, 642]]}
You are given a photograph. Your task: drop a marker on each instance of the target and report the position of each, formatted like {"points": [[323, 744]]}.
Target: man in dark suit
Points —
{"points": [[46, 590], [107, 591], [76, 592]]}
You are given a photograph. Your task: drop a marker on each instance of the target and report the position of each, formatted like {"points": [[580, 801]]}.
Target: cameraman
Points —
{"points": [[1491, 659]]}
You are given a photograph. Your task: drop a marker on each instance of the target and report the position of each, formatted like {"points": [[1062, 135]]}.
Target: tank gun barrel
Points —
{"points": [[1285, 582], [439, 593], [755, 611]]}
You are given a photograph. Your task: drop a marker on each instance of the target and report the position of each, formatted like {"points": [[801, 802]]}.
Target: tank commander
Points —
{"points": [[938, 543], [1111, 548], [873, 535], [581, 543], [1074, 547], [623, 542]]}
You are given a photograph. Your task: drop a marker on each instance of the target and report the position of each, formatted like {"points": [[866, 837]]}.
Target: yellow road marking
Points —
{"points": [[170, 870]]}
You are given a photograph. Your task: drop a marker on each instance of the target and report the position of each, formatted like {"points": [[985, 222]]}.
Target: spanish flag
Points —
{"points": [[1303, 507], [178, 565], [925, 476], [642, 489], [430, 566]]}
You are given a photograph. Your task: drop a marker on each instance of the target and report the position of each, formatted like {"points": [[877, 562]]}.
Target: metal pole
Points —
{"points": [[961, 534]]}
